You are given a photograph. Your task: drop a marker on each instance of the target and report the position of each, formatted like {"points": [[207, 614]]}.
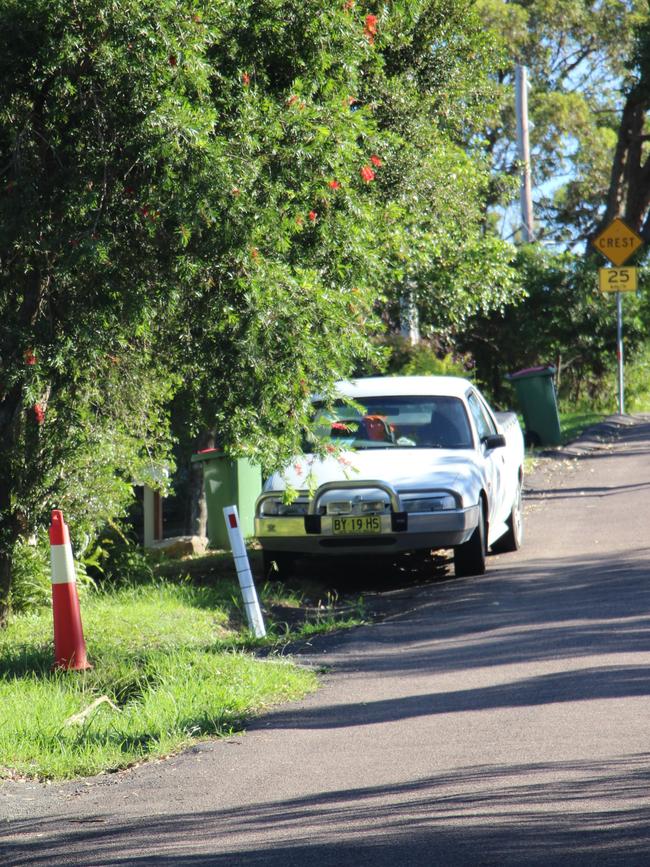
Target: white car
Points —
{"points": [[412, 463]]}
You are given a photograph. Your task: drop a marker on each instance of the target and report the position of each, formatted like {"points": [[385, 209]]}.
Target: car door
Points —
{"points": [[493, 459]]}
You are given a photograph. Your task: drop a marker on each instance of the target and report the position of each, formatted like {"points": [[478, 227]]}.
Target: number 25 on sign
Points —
{"points": [[617, 279]]}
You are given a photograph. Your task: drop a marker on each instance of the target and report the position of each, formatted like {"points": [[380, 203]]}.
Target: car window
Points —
{"points": [[396, 422], [484, 424]]}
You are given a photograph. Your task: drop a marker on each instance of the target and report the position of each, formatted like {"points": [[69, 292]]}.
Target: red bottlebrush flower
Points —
{"points": [[312, 216], [39, 413], [335, 185], [246, 79], [144, 212], [235, 191], [292, 99], [30, 358], [172, 60], [367, 174], [370, 28], [330, 448], [371, 24], [255, 253], [374, 159]]}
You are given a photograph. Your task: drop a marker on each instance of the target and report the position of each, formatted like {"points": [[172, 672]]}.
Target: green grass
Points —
{"points": [[175, 661], [572, 424]]}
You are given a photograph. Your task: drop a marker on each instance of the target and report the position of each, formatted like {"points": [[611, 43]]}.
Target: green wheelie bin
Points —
{"points": [[228, 482], [536, 396]]}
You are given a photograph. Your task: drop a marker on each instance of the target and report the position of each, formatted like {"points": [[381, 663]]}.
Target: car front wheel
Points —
{"points": [[469, 558], [513, 537]]}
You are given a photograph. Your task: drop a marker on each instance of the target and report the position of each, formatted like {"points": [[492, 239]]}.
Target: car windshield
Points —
{"points": [[395, 422]]}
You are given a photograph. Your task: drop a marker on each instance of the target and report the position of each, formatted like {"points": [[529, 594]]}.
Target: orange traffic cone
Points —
{"points": [[69, 646]]}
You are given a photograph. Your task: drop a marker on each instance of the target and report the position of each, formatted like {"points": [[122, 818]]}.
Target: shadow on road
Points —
{"points": [[529, 814], [540, 610]]}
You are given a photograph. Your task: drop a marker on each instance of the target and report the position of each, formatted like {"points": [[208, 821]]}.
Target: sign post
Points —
{"points": [[619, 353], [617, 242]]}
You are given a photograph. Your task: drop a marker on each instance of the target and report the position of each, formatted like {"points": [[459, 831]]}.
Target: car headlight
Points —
{"points": [[434, 503], [274, 507]]}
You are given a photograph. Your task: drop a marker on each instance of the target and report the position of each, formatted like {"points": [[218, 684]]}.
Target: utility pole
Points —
{"points": [[523, 151]]}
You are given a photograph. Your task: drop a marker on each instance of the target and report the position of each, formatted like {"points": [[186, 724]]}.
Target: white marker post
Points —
{"points": [[244, 574]]}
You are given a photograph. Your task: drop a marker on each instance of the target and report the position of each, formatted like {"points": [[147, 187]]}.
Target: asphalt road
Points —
{"points": [[492, 721]]}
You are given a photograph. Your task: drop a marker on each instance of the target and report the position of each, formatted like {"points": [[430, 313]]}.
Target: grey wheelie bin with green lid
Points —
{"points": [[536, 396], [228, 482]]}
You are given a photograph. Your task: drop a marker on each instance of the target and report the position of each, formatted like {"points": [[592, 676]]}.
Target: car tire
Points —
{"points": [[469, 558], [277, 565], [513, 537]]}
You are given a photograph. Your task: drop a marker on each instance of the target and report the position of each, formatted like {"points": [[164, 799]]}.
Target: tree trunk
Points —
{"points": [[197, 512], [629, 187], [9, 526]]}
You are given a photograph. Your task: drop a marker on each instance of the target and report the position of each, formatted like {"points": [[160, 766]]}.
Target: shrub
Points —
{"points": [[32, 576]]}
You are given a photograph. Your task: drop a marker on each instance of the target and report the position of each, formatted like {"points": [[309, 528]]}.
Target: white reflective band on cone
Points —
{"points": [[244, 574], [62, 564]]}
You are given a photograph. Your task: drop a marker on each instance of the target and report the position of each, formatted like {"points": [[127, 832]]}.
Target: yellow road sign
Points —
{"points": [[618, 279], [617, 242]]}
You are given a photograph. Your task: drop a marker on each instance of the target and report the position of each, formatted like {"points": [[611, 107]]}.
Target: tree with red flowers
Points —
{"points": [[203, 208], [149, 233], [99, 129]]}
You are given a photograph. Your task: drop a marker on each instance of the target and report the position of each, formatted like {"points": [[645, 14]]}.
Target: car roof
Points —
{"points": [[403, 386]]}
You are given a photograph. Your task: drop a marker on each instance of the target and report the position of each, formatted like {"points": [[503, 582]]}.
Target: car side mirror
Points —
{"points": [[495, 441]]}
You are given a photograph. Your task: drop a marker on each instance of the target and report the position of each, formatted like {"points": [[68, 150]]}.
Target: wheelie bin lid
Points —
{"points": [[207, 455], [529, 372]]}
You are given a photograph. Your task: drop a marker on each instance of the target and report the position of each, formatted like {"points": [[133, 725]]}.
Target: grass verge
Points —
{"points": [[173, 663], [572, 424]]}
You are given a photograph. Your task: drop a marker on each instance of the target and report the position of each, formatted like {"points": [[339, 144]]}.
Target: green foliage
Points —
{"points": [[637, 380], [349, 180], [577, 54], [423, 359], [424, 362], [31, 588], [99, 129], [211, 203], [434, 92], [119, 562], [565, 322]]}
